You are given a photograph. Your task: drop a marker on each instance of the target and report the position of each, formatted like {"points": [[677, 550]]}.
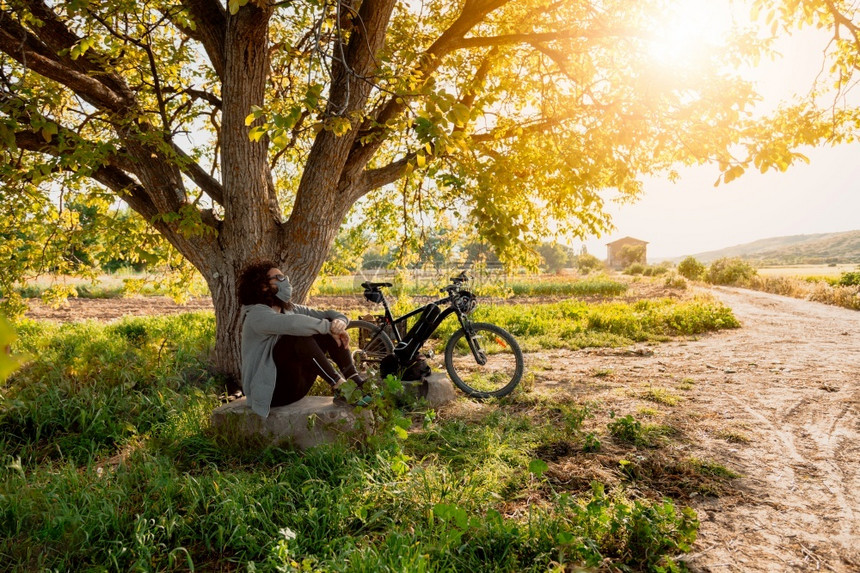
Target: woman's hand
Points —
{"points": [[338, 326], [342, 339]]}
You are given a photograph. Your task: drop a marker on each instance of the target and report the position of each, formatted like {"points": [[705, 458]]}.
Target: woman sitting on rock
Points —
{"points": [[285, 346]]}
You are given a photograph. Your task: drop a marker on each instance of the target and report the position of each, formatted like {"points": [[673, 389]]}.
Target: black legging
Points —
{"points": [[300, 359]]}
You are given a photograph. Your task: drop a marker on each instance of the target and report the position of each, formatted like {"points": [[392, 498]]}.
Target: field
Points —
{"points": [[105, 438], [802, 271], [622, 450]]}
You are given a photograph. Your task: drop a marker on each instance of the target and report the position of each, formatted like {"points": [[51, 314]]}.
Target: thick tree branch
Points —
{"points": [[376, 178], [472, 14], [348, 93], [210, 20], [59, 40], [18, 43], [843, 20]]}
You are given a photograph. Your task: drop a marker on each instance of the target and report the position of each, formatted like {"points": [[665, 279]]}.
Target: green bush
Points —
{"points": [[586, 263], [634, 269], [850, 278], [730, 271], [691, 269]]}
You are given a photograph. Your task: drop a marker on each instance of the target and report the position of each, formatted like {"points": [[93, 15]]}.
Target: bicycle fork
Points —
{"points": [[473, 341]]}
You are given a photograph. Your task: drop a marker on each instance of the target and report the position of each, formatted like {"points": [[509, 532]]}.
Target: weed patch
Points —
{"points": [[661, 396], [576, 324]]}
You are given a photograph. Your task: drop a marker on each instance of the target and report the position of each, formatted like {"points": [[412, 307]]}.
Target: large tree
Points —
{"points": [[251, 129]]}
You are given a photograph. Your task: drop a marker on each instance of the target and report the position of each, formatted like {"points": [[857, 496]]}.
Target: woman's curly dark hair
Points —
{"points": [[253, 283]]}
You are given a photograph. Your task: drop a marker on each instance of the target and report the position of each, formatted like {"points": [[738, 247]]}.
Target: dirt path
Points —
{"points": [[777, 401]]}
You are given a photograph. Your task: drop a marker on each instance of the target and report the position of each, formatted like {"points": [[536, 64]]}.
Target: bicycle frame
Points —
{"points": [[397, 323]]}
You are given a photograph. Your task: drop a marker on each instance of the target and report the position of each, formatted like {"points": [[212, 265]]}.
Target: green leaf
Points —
{"points": [[49, 130], [538, 467], [256, 112], [460, 114]]}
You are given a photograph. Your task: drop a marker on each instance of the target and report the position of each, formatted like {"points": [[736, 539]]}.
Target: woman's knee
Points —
{"points": [[299, 343]]}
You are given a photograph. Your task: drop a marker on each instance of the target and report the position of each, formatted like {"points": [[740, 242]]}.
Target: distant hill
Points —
{"points": [[841, 247]]}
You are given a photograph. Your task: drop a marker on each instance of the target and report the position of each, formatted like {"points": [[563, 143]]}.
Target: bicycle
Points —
{"points": [[482, 359]]}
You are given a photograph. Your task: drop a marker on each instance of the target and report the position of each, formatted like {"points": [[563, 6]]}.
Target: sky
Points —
{"points": [[692, 216]]}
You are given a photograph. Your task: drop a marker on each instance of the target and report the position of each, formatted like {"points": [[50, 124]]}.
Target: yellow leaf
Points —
{"points": [[256, 133]]}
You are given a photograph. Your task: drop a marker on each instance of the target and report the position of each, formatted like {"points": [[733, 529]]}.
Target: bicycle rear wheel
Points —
{"points": [[368, 345], [503, 361]]}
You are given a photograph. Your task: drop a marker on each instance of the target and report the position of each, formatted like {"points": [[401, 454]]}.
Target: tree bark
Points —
{"points": [[251, 227]]}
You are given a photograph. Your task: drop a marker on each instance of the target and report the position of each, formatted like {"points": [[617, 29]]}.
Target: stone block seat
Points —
{"points": [[312, 421]]}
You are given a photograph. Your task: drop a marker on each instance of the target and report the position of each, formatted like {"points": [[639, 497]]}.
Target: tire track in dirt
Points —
{"points": [[802, 491], [789, 380]]}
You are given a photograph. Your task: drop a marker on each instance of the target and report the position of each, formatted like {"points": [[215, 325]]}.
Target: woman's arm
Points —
{"points": [[264, 320], [326, 314]]}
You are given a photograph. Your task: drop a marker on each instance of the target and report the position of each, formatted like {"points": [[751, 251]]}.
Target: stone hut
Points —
{"points": [[618, 252]]}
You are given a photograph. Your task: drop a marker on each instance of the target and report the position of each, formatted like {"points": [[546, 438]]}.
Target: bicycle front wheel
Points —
{"points": [[368, 345], [491, 366]]}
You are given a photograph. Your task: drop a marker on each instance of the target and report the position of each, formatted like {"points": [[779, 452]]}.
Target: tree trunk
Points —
{"points": [[226, 358]]}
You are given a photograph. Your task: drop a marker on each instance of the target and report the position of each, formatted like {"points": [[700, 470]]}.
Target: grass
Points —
{"points": [[805, 271], [576, 324], [499, 286], [825, 290], [54, 288], [107, 462], [734, 436], [661, 396]]}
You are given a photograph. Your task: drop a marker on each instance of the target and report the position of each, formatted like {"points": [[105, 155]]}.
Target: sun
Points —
{"points": [[685, 30]]}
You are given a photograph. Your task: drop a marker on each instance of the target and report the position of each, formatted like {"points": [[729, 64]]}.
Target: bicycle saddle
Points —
{"points": [[375, 285]]}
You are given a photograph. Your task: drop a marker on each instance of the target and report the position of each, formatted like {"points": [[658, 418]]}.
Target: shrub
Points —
{"points": [[655, 271], [586, 263], [850, 279], [635, 269], [691, 269], [675, 281], [730, 271]]}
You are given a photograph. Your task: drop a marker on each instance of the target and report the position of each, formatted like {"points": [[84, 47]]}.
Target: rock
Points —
{"points": [[438, 391], [311, 421]]}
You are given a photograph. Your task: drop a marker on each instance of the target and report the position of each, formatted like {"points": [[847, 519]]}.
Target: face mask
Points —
{"points": [[285, 291]]}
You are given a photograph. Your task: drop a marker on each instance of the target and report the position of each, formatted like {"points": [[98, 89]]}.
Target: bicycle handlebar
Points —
{"points": [[369, 285]]}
